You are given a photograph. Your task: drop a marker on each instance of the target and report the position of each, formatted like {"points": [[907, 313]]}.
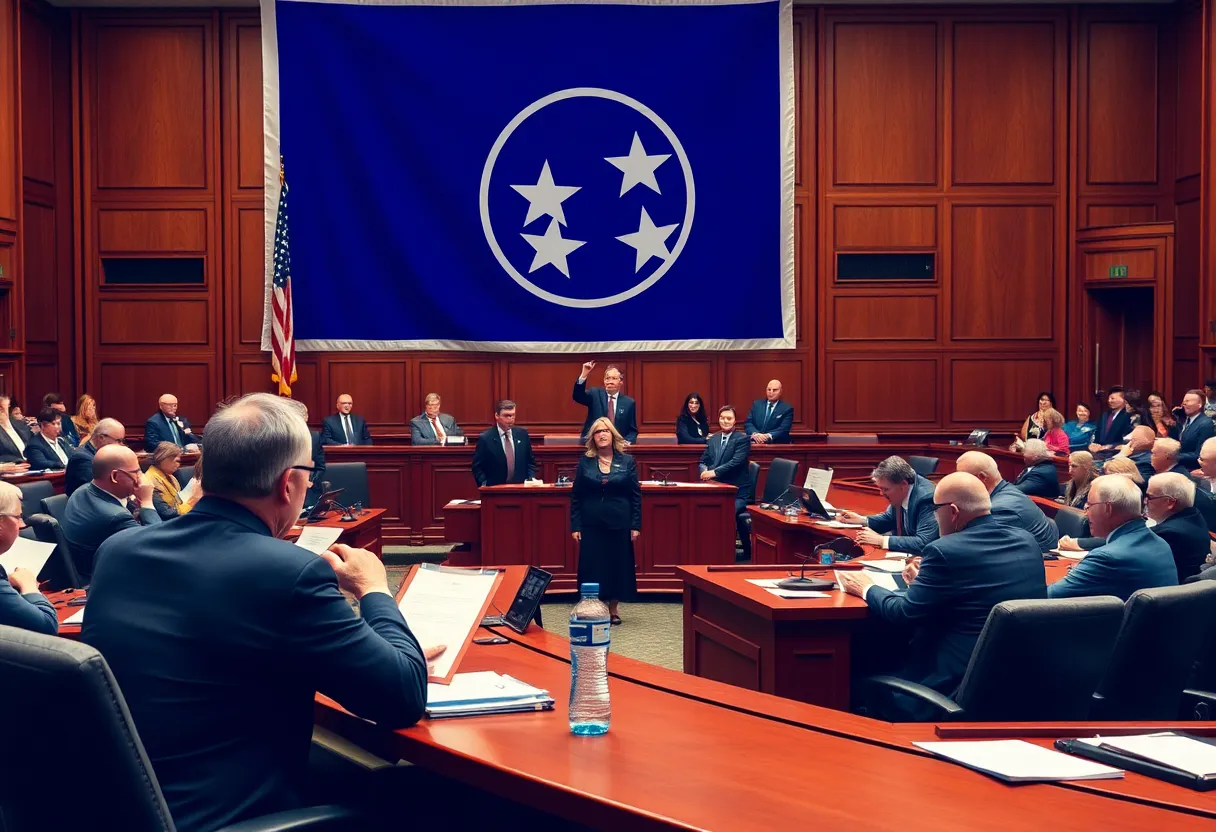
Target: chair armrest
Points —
{"points": [[1197, 704], [316, 818], [893, 684]]}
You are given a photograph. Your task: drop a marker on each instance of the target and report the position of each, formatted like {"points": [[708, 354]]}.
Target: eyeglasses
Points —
{"points": [[1150, 497], [601, 430], [1090, 505], [936, 506], [314, 473]]}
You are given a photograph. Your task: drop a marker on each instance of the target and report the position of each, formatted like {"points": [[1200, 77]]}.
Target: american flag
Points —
{"points": [[283, 343]]}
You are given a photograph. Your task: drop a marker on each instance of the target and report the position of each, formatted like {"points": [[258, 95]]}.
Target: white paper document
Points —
{"points": [[892, 565], [836, 524], [765, 583], [819, 480], [317, 539], [796, 594], [1019, 761], [883, 579], [1168, 749], [479, 687], [75, 618], [443, 606], [187, 493], [26, 554]]}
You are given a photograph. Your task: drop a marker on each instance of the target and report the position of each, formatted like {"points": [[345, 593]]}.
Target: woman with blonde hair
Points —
{"points": [[606, 515], [1115, 465], [166, 492], [1123, 465], [1081, 472], [86, 417]]}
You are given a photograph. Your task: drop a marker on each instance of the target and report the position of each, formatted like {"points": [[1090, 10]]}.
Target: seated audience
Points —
{"points": [[1133, 403], [1170, 503], [222, 689], [1039, 478], [692, 425], [1132, 557], [166, 490], [80, 464], [167, 426], [1192, 429], [1209, 398], [1164, 457], [1114, 425], [607, 401], [1204, 499], [1205, 473], [770, 419], [1081, 473], [1033, 427], [67, 428], [975, 564], [21, 603], [908, 524], [1055, 437], [85, 419], [99, 510], [48, 450], [1159, 417], [433, 427], [16, 414], [1123, 465], [1010, 505], [726, 460], [344, 427], [14, 437], [1080, 430], [1140, 450]]}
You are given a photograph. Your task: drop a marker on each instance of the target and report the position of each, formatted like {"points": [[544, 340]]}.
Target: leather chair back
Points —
{"points": [[55, 505], [1070, 522], [1164, 629], [32, 495], [184, 474], [351, 477], [780, 475], [923, 465], [60, 569], [67, 711], [1040, 660]]}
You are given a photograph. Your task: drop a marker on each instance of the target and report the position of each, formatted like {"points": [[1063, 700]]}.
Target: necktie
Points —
{"points": [[722, 448], [438, 430], [346, 427], [177, 439], [1185, 425], [899, 520], [612, 409], [1110, 418], [769, 415], [509, 449]]}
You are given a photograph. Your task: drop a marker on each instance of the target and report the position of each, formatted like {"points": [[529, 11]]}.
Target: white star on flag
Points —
{"points": [[648, 241], [545, 198], [551, 248], [638, 167]]}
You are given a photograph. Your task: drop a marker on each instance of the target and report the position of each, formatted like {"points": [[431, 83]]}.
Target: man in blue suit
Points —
{"points": [[1192, 428], [1132, 557], [977, 563], [725, 460], [607, 401], [1170, 504], [770, 419], [908, 524], [1009, 504], [1113, 426], [220, 633], [344, 427], [168, 426], [491, 463], [1039, 478], [48, 450], [80, 463], [21, 603]]}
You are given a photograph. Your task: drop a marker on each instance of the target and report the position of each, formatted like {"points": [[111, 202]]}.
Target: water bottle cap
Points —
{"points": [[590, 590]]}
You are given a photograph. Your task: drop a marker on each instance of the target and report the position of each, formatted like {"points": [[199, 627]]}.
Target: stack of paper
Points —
{"points": [[895, 566], [484, 692], [883, 579], [1182, 753], [26, 554], [771, 585], [836, 524], [1017, 761]]}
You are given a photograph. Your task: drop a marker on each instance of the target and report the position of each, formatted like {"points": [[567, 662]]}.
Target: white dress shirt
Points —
{"points": [[57, 448], [13, 435]]}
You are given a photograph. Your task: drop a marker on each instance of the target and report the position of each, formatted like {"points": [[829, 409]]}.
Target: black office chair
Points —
{"points": [[923, 465], [1071, 522], [743, 520], [68, 702], [32, 495], [60, 569], [1164, 629], [781, 475], [184, 474], [351, 477], [1022, 670], [55, 505]]}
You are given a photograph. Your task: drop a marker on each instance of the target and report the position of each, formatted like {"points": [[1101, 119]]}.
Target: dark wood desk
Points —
{"points": [[778, 539], [55, 478], [681, 524], [362, 533]]}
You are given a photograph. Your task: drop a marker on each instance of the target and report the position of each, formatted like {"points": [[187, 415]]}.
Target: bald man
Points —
{"points": [[770, 419], [976, 563], [168, 426], [100, 509], [1008, 502], [1140, 450]]}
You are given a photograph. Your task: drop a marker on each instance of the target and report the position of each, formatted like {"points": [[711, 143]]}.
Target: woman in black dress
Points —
{"points": [[606, 515], [692, 426]]}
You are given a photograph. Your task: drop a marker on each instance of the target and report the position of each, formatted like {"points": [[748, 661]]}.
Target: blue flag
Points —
{"points": [[565, 176]]}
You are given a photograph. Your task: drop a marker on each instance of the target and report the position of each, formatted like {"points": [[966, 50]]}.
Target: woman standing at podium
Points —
{"points": [[606, 515]]}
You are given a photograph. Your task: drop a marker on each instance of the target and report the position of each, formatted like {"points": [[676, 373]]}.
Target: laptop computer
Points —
{"points": [[324, 504]]}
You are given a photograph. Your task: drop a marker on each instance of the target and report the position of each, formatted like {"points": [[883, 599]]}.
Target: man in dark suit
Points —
{"points": [[21, 603], [14, 436], [770, 418], [1009, 504], [1132, 557], [80, 464], [1114, 425], [908, 524], [168, 426], [99, 510], [725, 460], [1140, 450], [1192, 428], [48, 450], [504, 452], [607, 401], [1164, 457], [1039, 478], [1170, 503], [220, 635], [433, 427], [976, 563], [344, 427]]}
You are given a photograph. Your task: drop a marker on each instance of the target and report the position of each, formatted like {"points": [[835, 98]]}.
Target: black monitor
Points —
{"points": [[323, 505], [811, 503], [527, 600], [978, 438]]}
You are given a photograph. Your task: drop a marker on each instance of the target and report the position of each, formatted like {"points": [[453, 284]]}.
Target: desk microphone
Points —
{"points": [[662, 476], [804, 584], [777, 504], [348, 512]]}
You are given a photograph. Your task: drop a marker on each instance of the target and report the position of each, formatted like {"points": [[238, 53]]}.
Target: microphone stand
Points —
{"points": [[663, 477], [348, 514], [804, 584]]}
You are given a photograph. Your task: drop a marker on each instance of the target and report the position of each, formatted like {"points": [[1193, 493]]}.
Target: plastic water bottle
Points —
{"points": [[590, 625]]}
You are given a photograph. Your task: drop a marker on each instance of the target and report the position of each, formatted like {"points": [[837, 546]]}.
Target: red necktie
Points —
{"points": [[438, 430], [509, 449], [899, 520], [612, 409]]}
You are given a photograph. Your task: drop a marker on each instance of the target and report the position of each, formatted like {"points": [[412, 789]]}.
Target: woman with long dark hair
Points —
{"points": [[692, 425]]}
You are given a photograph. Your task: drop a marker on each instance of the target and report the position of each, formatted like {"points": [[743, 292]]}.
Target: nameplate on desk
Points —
{"points": [[456, 440]]}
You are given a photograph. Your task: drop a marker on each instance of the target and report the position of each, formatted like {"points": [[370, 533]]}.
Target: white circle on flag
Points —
{"points": [[488, 171]]}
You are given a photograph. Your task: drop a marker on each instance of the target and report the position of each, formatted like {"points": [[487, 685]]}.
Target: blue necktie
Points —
{"points": [[769, 415]]}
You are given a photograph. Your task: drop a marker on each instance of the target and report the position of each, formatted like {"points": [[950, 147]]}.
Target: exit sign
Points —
{"points": [[1118, 271]]}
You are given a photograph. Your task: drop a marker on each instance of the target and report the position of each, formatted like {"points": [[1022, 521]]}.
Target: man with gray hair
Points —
{"points": [[21, 603], [978, 562], [1132, 557], [907, 525], [80, 463], [1008, 502], [1140, 449], [221, 633], [1170, 504], [1164, 457], [1039, 478]]}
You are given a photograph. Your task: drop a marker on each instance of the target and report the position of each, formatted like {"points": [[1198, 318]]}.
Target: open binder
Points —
{"points": [[1103, 752]]}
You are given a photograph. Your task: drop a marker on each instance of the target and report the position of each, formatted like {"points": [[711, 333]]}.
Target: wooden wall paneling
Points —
{"points": [[986, 391], [38, 94], [153, 322], [378, 386], [10, 124], [1188, 135], [1185, 374], [542, 390], [43, 292], [1097, 214], [165, 231], [465, 388], [746, 379], [41, 377], [1121, 95], [884, 317], [246, 262], [128, 388], [873, 227], [882, 391], [662, 387], [243, 105], [253, 374]]}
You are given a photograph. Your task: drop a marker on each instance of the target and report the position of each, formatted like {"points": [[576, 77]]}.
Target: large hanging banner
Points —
{"points": [[559, 176]]}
